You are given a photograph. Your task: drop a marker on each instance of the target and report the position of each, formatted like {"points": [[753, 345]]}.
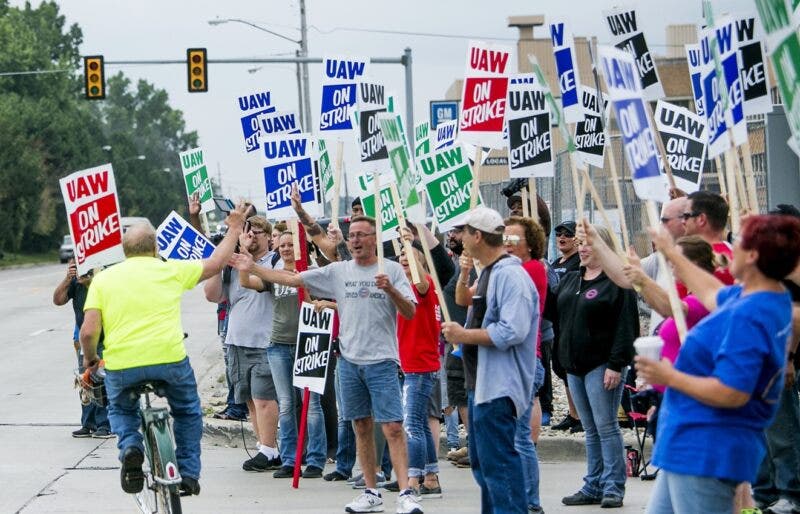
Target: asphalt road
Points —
{"points": [[43, 469]]}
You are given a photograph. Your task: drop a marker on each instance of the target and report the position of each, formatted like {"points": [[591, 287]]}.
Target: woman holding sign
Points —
{"points": [[724, 388]]}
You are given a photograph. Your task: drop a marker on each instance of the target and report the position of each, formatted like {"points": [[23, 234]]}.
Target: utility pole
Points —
{"points": [[304, 53], [300, 103]]}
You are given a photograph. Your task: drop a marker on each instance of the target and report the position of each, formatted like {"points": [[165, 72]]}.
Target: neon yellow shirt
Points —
{"points": [[140, 303]]}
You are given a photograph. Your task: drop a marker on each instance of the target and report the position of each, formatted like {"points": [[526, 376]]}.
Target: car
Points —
{"points": [[67, 249]]}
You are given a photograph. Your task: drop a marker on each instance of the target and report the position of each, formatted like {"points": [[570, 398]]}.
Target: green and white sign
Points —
{"points": [[404, 172], [195, 175], [388, 216], [448, 177], [325, 170], [422, 140]]}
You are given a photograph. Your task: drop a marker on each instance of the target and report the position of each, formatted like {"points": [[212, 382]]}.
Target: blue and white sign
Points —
{"points": [[443, 111], [728, 56], [567, 69], [693, 58], [339, 82], [177, 239], [445, 135], [718, 140], [288, 159], [275, 123], [250, 108], [638, 137]]}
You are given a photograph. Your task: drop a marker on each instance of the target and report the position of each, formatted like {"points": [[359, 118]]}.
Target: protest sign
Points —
{"points": [[626, 35], [754, 76], [728, 68], [371, 100], [250, 107], [590, 136], [402, 165], [422, 141], [445, 135], [325, 170], [195, 176], [177, 239], [695, 69], [483, 97], [274, 123], [388, 217], [90, 198], [718, 140], [638, 137], [528, 124], [448, 179], [341, 75], [684, 135], [314, 334], [443, 111], [288, 159], [567, 70]]}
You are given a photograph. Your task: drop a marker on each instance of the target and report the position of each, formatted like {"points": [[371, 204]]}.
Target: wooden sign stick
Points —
{"points": [[337, 181], [376, 183], [401, 223], [534, 199], [435, 276], [476, 178]]}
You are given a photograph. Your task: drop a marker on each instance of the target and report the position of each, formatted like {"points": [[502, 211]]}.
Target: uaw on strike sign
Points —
{"points": [[313, 348], [90, 198], [484, 94]]}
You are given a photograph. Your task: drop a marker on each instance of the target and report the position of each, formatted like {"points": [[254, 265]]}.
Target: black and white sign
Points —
{"points": [[626, 35], [372, 99], [314, 336], [684, 136], [528, 122], [753, 71], [590, 137]]}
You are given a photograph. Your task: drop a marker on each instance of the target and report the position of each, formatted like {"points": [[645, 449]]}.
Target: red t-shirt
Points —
{"points": [[419, 336], [723, 274], [538, 274]]}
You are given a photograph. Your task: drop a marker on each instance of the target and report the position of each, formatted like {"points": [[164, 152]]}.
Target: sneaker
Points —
{"points": [[189, 486], [545, 419], [312, 472], [576, 427], [361, 483], [580, 498], [261, 463], [611, 502], [463, 462], [82, 432], [130, 475], [355, 478], [782, 506], [335, 476], [407, 503], [533, 509], [430, 492], [284, 472], [103, 433], [458, 453], [565, 424], [368, 501], [392, 487]]}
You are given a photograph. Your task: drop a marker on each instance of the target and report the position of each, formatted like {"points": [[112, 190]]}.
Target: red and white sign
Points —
{"points": [[90, 198], [483, 97]]}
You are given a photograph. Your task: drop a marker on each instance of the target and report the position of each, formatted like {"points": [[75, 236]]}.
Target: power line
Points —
{"points": [[36, 72], [408, 33]]}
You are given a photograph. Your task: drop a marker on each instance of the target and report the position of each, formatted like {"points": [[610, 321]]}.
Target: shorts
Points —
{"points": [[538, 378], [435, 401], [370, 390], [248, 369], [456, 391]]}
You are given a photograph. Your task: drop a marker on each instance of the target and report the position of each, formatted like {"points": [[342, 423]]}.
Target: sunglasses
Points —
{"points": [[688, 215], [511, 240], [564, 233]]}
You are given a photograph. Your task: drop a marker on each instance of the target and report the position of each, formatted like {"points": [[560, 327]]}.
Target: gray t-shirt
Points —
{"points": [[652, 269], [250, 313], [368, 317], [286, 312]]}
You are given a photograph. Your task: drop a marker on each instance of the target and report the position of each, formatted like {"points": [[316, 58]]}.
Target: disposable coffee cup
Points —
{"points": [[649, 346]]}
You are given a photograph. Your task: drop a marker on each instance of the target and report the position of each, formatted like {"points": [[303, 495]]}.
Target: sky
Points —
{"points": [[150, 30]]}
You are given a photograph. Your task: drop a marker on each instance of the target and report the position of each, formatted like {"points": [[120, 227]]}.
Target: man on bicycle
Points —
{"points": [[137, 305]]}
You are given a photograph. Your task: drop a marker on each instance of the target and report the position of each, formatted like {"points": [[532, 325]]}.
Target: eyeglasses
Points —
{"points": [[511, 240], [688, 215], [359, 235], [564, 233]]}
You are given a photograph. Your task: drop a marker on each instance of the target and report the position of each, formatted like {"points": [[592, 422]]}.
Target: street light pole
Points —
{"points": [[300, 111], [304, 53]]}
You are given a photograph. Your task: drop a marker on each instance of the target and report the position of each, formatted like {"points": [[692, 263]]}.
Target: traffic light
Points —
{"points": [[197, 70], [94, 77]]}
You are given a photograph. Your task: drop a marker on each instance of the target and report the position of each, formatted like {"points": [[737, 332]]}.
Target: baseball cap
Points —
{"points": [[486, 220], [511, 200], [568, 226]]}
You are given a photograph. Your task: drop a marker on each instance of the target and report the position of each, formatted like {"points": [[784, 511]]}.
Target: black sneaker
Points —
{"points": [[130, 476], [611, 502], [189, 486], [261, 463], [284, 472], [430, 492], [392, 486], [312, 472], [565, 424], [82, 432], [576, 427], [335, 476], [580, 498], [103, 433]]}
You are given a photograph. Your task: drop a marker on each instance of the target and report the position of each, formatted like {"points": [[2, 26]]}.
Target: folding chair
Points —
{"points": [[641, 429]]}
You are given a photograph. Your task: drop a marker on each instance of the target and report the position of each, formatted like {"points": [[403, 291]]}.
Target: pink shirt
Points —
{"points": [[669, 332]]}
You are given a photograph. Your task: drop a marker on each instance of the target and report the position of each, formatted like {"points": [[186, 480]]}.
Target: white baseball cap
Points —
{"points": [[486, 220]]}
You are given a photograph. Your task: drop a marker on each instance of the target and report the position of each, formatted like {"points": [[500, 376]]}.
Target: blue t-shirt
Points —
{"points": [[743, 343]]}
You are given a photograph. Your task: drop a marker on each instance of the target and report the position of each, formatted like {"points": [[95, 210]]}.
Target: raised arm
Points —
{"points": [[464, 292], [194, 213], [245, 265], [61, 293], [610, 261], [655, 295], [313, 228], [235, 222]]}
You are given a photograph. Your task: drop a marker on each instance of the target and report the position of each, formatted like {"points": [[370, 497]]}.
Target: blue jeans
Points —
{"points": [[422, 456], [779, 473], [676, 493], [93, 416], [597, 407], [184, 405], [496, 465], [346, 438], [451, 424], [523, 443], [281, 362], [238, 410]]}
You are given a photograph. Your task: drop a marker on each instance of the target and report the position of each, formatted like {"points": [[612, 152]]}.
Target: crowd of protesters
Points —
{"points": [[514, 318]]}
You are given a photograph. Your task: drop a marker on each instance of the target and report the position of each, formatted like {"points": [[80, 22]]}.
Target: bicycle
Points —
{"points": [[161, 491]]}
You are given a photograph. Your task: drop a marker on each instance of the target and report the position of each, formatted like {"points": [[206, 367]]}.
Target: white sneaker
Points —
{"points": [[407, 503], [368, 501]]}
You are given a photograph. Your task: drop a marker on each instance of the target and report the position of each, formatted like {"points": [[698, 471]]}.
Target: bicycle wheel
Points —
{"points": [[167, 496]]}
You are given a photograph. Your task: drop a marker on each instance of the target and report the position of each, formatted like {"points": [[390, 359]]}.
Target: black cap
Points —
{"points": [[786, 210], [569, 226], [511, 200]]}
